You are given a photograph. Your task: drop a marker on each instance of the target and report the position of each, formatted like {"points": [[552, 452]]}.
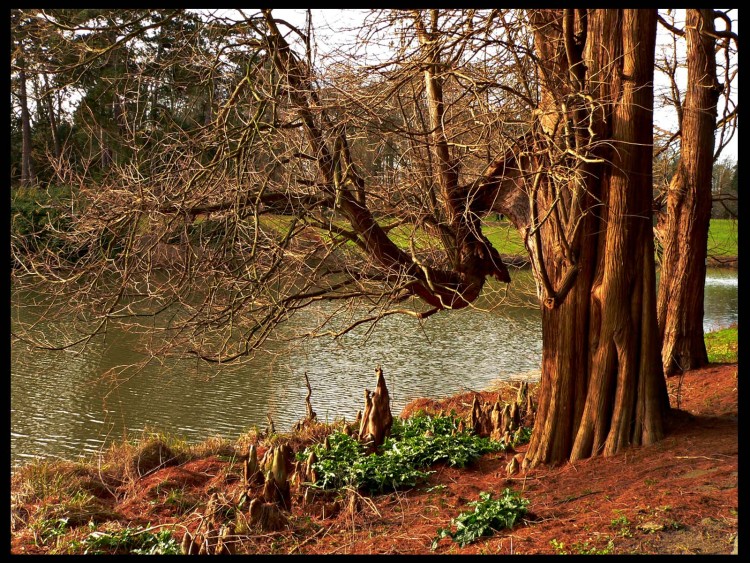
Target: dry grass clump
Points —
{"points": [[308, 432], [45, 479], [45, 491], [129, 460], [216, 445]]}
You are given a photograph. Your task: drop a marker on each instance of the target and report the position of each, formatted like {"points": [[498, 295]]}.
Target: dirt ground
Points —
{"points": [[679, 496]]}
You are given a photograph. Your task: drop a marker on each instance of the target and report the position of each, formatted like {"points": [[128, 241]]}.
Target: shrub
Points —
{"points": [[489, 516], [414, 444]]}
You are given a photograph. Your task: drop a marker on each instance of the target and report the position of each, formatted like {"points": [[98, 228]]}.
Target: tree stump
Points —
{"points": [[251, 474], [277, 489], [507, 420], [267, 516], [515, 417], [377, 418], [512, 467], [522, 399], [188, 545], [475, 421], [496, 422], [310, 474]]}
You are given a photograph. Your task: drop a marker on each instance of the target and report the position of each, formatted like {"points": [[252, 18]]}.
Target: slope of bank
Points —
{"points": [[679, 496]]}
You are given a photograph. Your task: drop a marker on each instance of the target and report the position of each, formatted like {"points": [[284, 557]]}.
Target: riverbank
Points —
{"points": [[678, 496], [722, 262], [522, 261]]}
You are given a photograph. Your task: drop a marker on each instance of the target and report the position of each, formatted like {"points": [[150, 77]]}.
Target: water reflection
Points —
{"points": [[61, 405]]}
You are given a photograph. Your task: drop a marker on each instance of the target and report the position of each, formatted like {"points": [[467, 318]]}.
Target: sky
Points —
{"points": [[333, 29]]}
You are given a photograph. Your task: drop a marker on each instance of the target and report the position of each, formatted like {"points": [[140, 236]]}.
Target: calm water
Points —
{"points": [[61, 405]]}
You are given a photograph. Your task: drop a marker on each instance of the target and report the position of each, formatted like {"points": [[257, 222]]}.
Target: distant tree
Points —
{"points": [[19, 25], [683, 227], [724, 189]]}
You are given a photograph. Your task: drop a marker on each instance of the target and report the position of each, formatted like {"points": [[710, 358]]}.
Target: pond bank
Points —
{"points": [[520, 261], [678, 496]]}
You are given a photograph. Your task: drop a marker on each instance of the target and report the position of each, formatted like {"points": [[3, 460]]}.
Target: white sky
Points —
{"points": [[332, 30]]}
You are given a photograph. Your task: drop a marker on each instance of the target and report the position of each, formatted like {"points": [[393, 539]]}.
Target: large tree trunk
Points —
{"points": [[602, 387], [684, 226]]}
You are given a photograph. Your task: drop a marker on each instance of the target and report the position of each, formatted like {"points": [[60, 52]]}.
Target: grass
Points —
{"points": [[722, 235], [582, 548], [504, 237], [722, 345], [722, 238]]}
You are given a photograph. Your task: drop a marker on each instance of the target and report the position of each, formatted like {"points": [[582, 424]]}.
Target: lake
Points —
{"points": [[62, 406]]}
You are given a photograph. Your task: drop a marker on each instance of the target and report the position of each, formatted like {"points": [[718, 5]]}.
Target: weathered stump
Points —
{"points": [[251, 473], [267, 516], [377, 418], [496, 422], [276, 488]]}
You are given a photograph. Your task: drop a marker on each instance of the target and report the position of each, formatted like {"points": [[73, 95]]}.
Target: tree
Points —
{"points": [[230, 228], [602, 387], [683, 228], [724, 189], [19, 58]]}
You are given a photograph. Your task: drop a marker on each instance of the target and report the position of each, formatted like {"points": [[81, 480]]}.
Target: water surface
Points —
{"points": [[62, 405]]}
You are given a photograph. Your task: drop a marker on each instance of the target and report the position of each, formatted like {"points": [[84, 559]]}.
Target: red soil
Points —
{"points": [[678, 496]]}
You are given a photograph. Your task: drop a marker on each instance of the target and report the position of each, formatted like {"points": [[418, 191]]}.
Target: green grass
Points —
{"points": [[504, 237], [722, 346], [722, 237]]}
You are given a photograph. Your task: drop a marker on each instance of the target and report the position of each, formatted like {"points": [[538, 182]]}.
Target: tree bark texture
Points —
{"points": [[684, 226], [602, 387]]}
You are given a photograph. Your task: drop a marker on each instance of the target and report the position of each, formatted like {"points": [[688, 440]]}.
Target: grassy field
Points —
{"points": [[722, 235], [722, 345], [504, 237]]}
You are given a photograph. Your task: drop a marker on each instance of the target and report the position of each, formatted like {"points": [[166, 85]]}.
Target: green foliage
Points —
{"points": [[504, 237], [414, 444], [721, 345], [36, 212], [130, 540], [489, 516], [622, 525], [582, 548], [45, 530], [521, 436]]}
